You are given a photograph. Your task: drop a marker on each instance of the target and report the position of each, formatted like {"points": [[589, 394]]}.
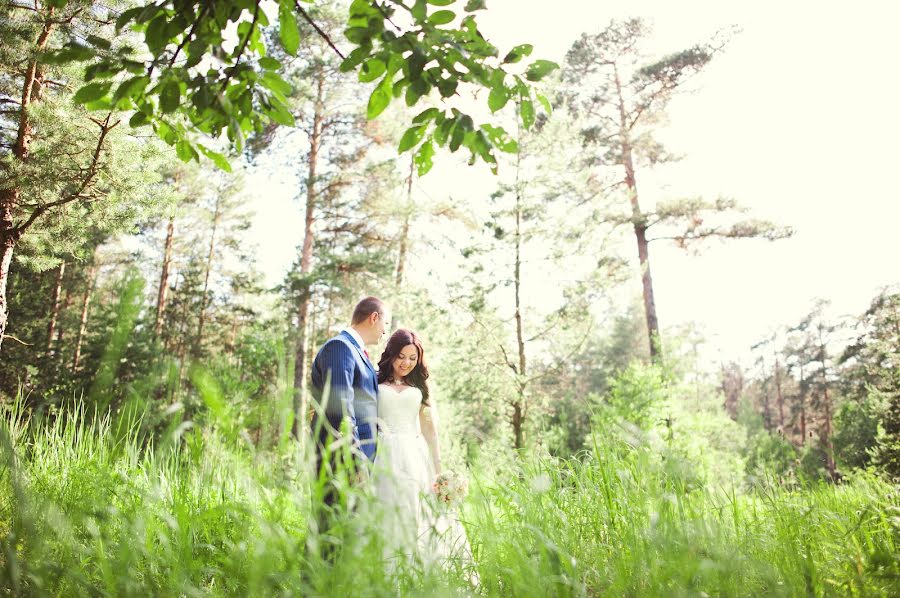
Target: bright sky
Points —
{"points": [[798, 121]]}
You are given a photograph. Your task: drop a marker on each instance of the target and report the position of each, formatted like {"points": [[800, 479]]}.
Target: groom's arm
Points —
{"points": [[336, 359]]}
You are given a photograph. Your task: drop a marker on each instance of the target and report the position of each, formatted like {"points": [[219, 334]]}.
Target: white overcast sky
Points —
{"points": [[798, 120]]}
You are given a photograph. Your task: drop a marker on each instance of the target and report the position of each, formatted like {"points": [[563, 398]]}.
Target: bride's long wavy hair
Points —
{"points": [[418, 377]]}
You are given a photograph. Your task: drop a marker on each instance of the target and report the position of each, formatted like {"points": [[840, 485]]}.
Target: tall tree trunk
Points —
{"points": [[9, 197], [85, 306], [520, 406], [766, 415], [217, 215], [54, 308], [404, 231], [60, 329], [306, 256], [826, 429], [640, 227], [163, 293], [8, 239], [802, 407], [780, 393]]}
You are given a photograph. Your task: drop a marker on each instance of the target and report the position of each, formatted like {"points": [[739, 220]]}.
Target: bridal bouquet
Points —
{"points": [[450, 488]]}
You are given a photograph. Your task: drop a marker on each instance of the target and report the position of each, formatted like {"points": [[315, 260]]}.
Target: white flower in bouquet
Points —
{"points": [[450, 488]]}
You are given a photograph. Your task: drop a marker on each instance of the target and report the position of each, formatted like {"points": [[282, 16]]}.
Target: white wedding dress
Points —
{"points": [[414, 524]]}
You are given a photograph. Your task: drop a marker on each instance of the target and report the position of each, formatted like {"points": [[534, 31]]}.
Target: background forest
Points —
{"points": [[155, 362]]}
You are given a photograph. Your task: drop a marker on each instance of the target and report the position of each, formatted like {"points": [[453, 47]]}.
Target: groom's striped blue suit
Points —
{"points": [[352, 393]]}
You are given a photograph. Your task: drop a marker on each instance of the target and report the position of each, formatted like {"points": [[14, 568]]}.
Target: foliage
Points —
{"points": [[190, 83]]}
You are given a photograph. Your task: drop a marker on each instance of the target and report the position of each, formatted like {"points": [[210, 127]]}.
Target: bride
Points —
{"points": [[409, 458]]}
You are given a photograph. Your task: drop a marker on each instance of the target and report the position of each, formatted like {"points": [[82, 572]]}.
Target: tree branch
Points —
{"points": [[92, 170], [20, 341], [318, 29]]}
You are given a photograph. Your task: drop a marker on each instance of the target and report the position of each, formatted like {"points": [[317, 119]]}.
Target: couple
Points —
{"points": [[393, 423]]}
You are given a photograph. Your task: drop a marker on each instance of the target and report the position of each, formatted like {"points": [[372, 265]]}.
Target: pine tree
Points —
{"points": [[63, 171], [621, 97]]}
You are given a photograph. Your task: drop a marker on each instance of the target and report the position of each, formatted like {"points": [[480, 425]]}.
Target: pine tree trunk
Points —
{"points": [[780, 394], [60, 330], [8, 239], [54, 308], [640, 228], [9, 197], [217, 215], [302, 355], [85, 306], [802, 408], [163, 292], [826, 430]]}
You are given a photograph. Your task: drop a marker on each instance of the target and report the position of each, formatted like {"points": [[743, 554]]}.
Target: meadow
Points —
{"points": [[89, 508]]}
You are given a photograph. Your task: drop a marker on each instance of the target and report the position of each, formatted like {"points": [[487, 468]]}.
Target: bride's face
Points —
{"points": [[405, 362]]}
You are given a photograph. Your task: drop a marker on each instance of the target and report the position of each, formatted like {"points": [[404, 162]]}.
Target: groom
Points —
{"points": [[345, 385]]}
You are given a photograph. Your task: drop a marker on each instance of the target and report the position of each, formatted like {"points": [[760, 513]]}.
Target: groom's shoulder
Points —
{"points": [[338, 342]]}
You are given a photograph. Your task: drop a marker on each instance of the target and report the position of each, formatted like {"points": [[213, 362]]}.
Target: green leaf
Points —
{"points": [[426, 115], [518, 53], [99, 42], [138, 119], [456, 137], [92, 92], [442, 132], [131, 88], [423, 158], [545, 103], [539, 69], [101, 70], [498, 98], [418, 10], [270, 64], [272, 80], [165, 132], [155, 35], [411, 138], [380, 98], [526, 110], [354, 58], [442, 17], [416, 90], [288, 31], [447, 87], [128, 16], [358, 35], [473, 5], [280, 114], [170, 97], [416, 63], [217, 158], [185, 151], [441, 2], [371, 70]]}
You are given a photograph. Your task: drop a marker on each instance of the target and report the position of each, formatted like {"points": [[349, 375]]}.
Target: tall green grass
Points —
{"points": [[89, 508]]}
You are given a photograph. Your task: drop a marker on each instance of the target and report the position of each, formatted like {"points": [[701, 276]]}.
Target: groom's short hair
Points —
{"points": [[366, 308]]}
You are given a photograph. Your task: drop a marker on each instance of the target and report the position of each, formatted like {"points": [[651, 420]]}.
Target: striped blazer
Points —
{"points": [[352, 392]]}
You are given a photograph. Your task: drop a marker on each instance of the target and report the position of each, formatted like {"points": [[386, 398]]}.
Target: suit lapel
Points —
{"points": [[361, 352]]}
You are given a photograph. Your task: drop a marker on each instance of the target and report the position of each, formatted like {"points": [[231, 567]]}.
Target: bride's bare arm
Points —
{"points": [[428, 422]]}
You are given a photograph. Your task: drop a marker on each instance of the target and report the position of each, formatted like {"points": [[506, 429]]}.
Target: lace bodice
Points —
{"points": [[398, 411]]}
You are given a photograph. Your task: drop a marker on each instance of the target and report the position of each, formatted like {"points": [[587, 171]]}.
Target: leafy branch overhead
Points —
{"points": [[182, 75]]}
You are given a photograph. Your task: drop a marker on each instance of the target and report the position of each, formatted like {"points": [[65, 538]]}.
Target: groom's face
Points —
{"points": [[377, 327]]}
